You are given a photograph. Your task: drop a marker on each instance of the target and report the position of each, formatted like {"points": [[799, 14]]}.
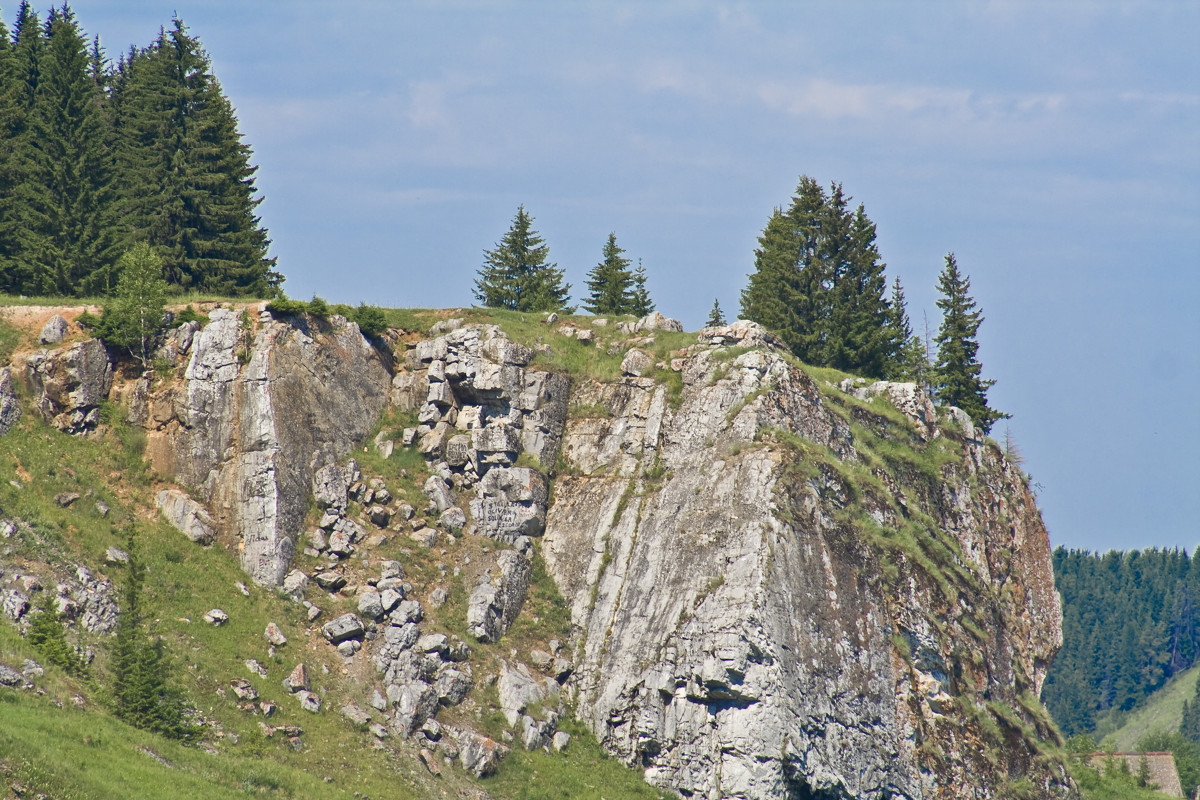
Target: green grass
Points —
{"points": [[581, 772], [1098, 784], [1161, 711]]}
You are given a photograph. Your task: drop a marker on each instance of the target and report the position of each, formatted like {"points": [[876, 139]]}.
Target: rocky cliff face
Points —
{"points": [[784, 595], [262, 406], [779, 587]]}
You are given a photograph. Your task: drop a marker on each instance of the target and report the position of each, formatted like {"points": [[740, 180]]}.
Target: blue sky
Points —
{"points": [[1052, 146]]}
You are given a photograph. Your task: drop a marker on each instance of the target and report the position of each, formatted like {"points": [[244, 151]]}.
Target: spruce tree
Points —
{"points": [[716, 316], [640, 302], [18, 92], [610, 283], [186, 180], [66, 189], [958, 368], [906, 359], [1189, 725], [860, 336], [516, 276], [142, 691], [773, 296]]}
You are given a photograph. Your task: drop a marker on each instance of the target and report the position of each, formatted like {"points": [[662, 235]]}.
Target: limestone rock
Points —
{"points": [[10, 404], [186, 515], [245, 434], [510, 502], [274, 635], [413, 703], [636, 362], [347, 626], [478, 754], [452, 686], [309, 701], [355, 714], [69, 385], [330, 581], [655, 321], [729, 614], [54, 330], [498, 598], [519, 689], [298, 679], [216, 617]]}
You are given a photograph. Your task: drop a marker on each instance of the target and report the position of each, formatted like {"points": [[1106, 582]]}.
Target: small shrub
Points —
{"points": [[370, 320]]}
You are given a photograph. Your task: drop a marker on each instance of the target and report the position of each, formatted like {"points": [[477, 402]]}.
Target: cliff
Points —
{"points": [[775, 582]]}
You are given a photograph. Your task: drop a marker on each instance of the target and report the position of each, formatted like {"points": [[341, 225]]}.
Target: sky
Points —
{"points": [[1053, 147]]}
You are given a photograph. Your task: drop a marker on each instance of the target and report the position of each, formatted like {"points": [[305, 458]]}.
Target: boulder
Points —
{"points": [[518, 689], [370, 605], [69, 385], [298, 680], [655, 321], [243, 690], [10, 677], [329, 487], [498, 598], [636, 363], [330, 581], [13, 603], [347, 626], [355, 714], [274, 635], [452, 686], [309, 701], [54, 331], [216, 617], [510, 502], [10, 404], [478, 754], [413, 703], [186, 515]]}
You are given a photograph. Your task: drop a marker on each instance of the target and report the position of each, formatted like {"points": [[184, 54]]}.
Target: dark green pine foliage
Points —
{"points": [[1189, 725], [48, 634], [640, 302], [716, 316], [794, 272], [907, 360], [67, 192], [516, 274], [142, 692], [610, 283], [861, 337], [773, 298], [186, 178], [958, 368], [1130, 623], [18, 91]]}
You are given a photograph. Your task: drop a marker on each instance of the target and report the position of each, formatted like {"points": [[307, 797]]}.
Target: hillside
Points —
{"points": [[506, 548]]}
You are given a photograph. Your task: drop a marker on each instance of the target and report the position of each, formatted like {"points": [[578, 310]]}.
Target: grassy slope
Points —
{"points": [[1160, 711], [49, 746]]}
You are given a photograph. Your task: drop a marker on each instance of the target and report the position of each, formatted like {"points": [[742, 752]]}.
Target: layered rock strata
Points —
{"points": [[783, 594], [261, 409]]}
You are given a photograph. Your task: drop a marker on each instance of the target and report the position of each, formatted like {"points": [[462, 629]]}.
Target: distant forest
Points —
{"points": [[1131, 620], [97, 157]]}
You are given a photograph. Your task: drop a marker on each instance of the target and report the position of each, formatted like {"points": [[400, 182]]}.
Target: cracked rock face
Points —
{"points": [[251, 436], [69, 385], [745, 636]]}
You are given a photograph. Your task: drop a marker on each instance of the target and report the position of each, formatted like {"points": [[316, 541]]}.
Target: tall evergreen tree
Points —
{"points": [[18, 92], [186, 177], [66, 188], [142, 692], [1189, 725], [958, 368], [906, 360], [860, 337], [610, 283], [640, 302], [772, 297], [516, 276], [716, 316]]}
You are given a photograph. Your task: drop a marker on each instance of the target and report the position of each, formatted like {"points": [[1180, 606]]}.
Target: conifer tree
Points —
{"points": [[18, 91], [142, 692], [860, 336], [716, 316], [1189, 725], [516, 276], [907, 360], [640, 303], [186, 178], [66, 188], [610, 282], [958, 368]]}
